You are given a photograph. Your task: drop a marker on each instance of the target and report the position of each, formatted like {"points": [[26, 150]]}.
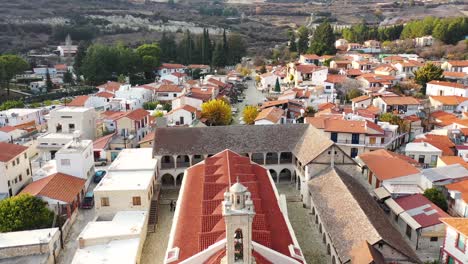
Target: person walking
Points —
{"points": [[172, 205]]}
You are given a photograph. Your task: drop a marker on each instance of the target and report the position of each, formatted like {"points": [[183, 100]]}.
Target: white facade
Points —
{"points": [[180, 117], [70, 119], [15, 174], [445, 89], [451, 247], [185, 100], [76, 159], [98, 103], [18, 116], [138, 94], [11, 135], [424, 153], [50, 143], [268, 81]]}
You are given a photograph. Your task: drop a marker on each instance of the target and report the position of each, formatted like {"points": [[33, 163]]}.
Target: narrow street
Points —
{"points": [[252, 97]]}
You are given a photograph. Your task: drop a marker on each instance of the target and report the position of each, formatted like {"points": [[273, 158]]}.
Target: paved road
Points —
{"points": [[252, 97]]}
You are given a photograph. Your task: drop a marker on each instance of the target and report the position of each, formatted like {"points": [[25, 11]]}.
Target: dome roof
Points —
{"points": [[237, 188]]}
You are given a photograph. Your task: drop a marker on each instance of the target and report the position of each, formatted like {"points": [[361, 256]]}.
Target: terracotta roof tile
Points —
{"points": [[450, 100], [400, 100], [58, 186], [448, 84], [10, 151], [450, 160], [456, 75], [7, 129], [171, 66], [169, 88], [110, 86], [272, 114], [336, 78], [101, 143], [80, 100], [360, 98], [137, 114], [457, 223], [439, 141], [105, 95], [395, 165], [459, 63]]}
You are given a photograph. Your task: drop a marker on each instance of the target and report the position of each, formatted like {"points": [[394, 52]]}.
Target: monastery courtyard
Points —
{"points": [[306, 233]]}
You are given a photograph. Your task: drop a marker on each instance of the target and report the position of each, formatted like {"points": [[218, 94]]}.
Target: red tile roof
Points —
{"points": [[338, 124], [400, 100], [80, 100], [455, 75], [61, 67], [450, 160], [105, 95], [306, 68], [461, 186], [360, 98], [200, 223], [448, 84], [169, 88], [216, 82], [272, 114], [459, 63], [58, 186], [7, 129], [112, 115], [10, 151], [395, 165], [449, 100], [426, 213], [110, 86], [172, 66], [101, 143], [336, 78], [458, 223], [148, 137], [439, 141], [311, 56], [137, 114]]}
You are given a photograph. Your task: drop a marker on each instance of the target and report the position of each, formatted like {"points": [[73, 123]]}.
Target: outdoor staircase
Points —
{"points": [[153, 216]]}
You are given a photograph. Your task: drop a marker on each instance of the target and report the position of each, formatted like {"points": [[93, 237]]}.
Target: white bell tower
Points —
{"points": [[238, 213]]}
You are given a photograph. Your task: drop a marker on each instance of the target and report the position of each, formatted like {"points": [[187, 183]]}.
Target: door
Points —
{"points": [[354, 152], [355, 138], [372, 140], [334, 136], [181, 120]]}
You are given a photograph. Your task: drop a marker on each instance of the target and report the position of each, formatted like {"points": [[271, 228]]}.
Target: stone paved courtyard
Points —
{"points": [[306, 233]]}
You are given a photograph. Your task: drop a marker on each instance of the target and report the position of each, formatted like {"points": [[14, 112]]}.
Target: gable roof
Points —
{"points": [[448, 84], [400, 100], [110, 86], [458, 223], [450, 160], [200, 223], [80, 100], [272, 114], [450, 100], [101, 143], [172, 66], [58, 186], [351, 216], [169, 88], [137, 114], [296, 138], [7, 129], [10, 151], [439, 141], [338, 124], [105, 95], [459, 63], [423, 211], [461, 186], [360, 98], [396, 165]]}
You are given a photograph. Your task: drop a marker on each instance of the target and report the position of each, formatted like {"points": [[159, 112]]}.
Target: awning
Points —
{"points": [[381, 193], [394, 206], [410, 220]]}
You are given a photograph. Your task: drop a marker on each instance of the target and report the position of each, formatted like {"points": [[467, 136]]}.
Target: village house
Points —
{"points": [[417, 219], [268, 81], [442, 88], [354, 136], [406, 69], [415, 126], [293, 109], [102, 151], [374, 82], [177, 78], [333, 82], [170, 68], [147, 141], [100, 101], [131, 128], [128, 185], [455, 66], [239, 229], [457, 77], [388, 70], [449, 103], [441, 142], [168, 92], [139, 95], [204, 69], [19, 116], [10, 134], [15, 169], [183, 116], [401, 105], [458, 198], [361, 102], [455, 243], [424, 41], [362, 65], [309, 59], [425, 153], [270, 116], [62, 193], [109, 87], [67, 120], [185, 100], [305, 74], [116, 239], [396, 166]]}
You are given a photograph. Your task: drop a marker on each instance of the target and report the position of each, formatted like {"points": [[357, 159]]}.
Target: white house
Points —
{"points": [[406, 69], [361, 102], [10, 133], [450, 104], [169, 68], [424, 41], [138, 94], [425, 153], [309, 59], [18, 116], [69, 119], [454, 249], [271, 116], [185, 100], [458, 198], [455, 66], [405, 105], [15, 169], [168, 92], [128, 184], [176, 78], [184, 115], [117, 239], [443, 88], [268, 81]]}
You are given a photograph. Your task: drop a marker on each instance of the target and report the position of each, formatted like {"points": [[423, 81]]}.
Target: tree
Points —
{"points": [[79, 57], [68, 77], [395, 120], [11, 104], [10, 66], [292, 41], [437, 197], [168, 47], [150, 55], [217, 112], [277, 86], [263, 69], [323, 41], [303, 39], [219, 60], [249, 114], [150, 105], [49, 83], [24, 212], [237, 49], [427, 73]]}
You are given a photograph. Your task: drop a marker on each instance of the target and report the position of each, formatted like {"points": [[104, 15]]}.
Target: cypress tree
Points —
{"points": [[277, 86]]}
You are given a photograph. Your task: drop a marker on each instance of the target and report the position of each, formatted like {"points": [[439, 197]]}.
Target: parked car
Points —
{"points": [[100, 162], [99, 175], [88, 201]]}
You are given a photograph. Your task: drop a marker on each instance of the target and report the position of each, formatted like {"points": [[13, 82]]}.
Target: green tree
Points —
{"points": [[11, 104], [263, 69], [186, 48], [292, 41], [427, 73], [219, 59], [10, 66], [150, 55], [395, 120], [437, 197], [249, 114], [217, 112], [79, 57], [237, 49], [68, 77], [49, 83], [168, 47], [24, 212], [277, 86], [353, 93], [303, 40], [323, 41], [150, 105]]}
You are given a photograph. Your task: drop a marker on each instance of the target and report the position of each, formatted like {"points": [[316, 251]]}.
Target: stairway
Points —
{"points": [[153, 216]]}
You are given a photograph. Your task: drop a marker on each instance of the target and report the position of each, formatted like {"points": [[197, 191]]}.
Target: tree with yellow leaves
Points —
{"points": [[217, 112], [249, 114]]}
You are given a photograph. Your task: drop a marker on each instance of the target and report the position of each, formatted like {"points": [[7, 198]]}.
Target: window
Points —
{"points": [[27, 171], [104, 201], [434, 239], [396, 218], [136, 200], [450, 260], [13, 163], [16, 180], [65, 162], [460, 244], [25, 155], [408, 231], [71, 127], [434, 159], [20, 178], [9, 184], [17, 161]]}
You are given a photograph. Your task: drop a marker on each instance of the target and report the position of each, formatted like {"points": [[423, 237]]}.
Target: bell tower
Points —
{"points": [[238, 213]]}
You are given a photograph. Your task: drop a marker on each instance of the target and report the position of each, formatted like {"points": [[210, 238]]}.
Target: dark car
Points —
{"points": [[100, 162], [88, 201], [99, 175]]}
